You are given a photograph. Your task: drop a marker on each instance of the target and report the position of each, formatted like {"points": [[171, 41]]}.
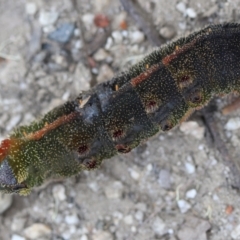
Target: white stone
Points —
{"points": [[235, 234], [109, 43], [136, 36], [5, 202], [84, 237], [233, 124], [59, 193], [100, 55], [37, 230], [117, 37], [72, 219], [190, 168], [18, 224], [191, 13], [139, 215], [191, 193], [78, 44], [105, 73], [167, 32], [128, 220], [47, 18], [17, 237], [192, 128], [31, 8], [134, 174], [181, 7], [158, 226], [183, 205], [88, 19], [102, 235], [114, 190]]}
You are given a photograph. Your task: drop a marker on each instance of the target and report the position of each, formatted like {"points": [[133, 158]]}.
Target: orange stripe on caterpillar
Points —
{"points": [[51, 126]]}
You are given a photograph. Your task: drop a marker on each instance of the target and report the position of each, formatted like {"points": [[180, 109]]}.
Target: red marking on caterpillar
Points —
{"points": [[145, 75], [4, 148], [122, 148], [179, 50], [116, 135], [83, 149], [51, 126]]}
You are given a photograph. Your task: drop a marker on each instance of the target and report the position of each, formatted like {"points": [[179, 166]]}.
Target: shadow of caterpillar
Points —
{"points": [[114, 117]]}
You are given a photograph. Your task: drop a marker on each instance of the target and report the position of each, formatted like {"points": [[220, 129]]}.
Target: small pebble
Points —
{"points": [[17, 237], [47, 18], [183, 205], [128, 220], [5, 202], [105, 73], [78, 44], [72, 219], [84, 237], [31, 8], [136, 37], [117, 37], [233, 124], [158, 226], [134, 174], [37, 230], [114, 190], [139, 216], [100, 55], [192, 128], [88, 19], [18, 224], [191, 193], [63, 33], [191, 13], [190, 168], [102, 235], [13, 122], [181, 7], [235, 234], [165, 178], [59, 193], [167, 32]]}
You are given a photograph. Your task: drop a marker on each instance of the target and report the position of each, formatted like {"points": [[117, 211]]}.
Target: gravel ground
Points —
{"points": [[175, 186]]}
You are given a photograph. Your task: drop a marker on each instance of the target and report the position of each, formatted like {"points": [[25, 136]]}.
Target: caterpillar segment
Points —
{"points": [[116, 116]]}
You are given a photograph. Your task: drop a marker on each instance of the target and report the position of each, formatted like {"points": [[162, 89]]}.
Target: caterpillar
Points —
{"points": [[114, 117]]}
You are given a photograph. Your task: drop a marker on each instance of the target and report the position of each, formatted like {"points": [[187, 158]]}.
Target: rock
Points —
{"points": [[117, 37], [105, 73], [183, 206], [159, 227], [114, 190], [63, 33], [37, 230], [164, 179], [235, 234], [88, 19], [5, 202], [78, 44], [17, 237], [191, 13], [72, 219], [194, 228], [181, 7], [47, 18], [82, 78], [233, 124], [59, 192], [128, 219], [31, 8], [168, 32], [134, 174], [136, 37], [18, 224], [139, 215], [191, 193], [100, 55], [84, 237], [192, 128], [102, 235], [190, 168]]}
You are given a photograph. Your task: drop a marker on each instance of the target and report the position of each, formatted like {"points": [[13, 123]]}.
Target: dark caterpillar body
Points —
{"points": [[114, 117]]}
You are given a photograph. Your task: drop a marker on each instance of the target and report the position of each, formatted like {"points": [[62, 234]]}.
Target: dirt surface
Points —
{"points": [[175, 186]]}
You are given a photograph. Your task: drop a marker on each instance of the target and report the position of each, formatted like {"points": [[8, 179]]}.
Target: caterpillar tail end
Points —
{"points": [[8, 181]]}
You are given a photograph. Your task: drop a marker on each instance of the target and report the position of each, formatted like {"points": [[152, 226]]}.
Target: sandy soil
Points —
{"points": [[175, 186]]}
